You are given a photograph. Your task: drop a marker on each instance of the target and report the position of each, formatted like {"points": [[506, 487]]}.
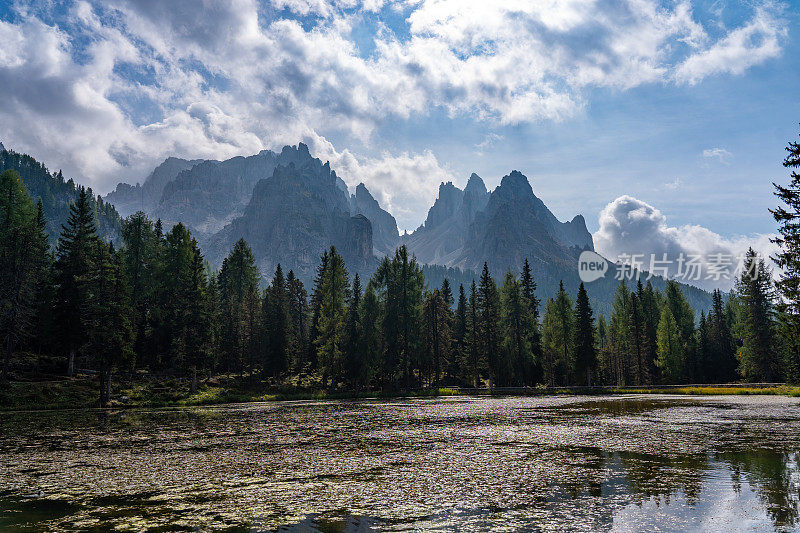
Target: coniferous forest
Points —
{"points": [[151, 304]]}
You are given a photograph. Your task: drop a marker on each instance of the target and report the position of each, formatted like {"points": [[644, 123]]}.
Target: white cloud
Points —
{"points": [[739, 50], [404, 184], [720, 154], [111, 88], [629, 226]]}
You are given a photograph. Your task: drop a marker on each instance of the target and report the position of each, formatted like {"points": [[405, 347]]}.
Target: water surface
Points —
{"points": [[643, 463]]}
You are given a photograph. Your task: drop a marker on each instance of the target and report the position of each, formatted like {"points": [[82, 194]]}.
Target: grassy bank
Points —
{"points": [[82, 392]]}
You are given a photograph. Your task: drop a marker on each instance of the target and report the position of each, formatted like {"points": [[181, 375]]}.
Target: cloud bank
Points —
{"points": [[629, 226], [107, 89]]}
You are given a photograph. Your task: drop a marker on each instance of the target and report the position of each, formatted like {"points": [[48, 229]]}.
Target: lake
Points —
{"points": [[621, 463]]}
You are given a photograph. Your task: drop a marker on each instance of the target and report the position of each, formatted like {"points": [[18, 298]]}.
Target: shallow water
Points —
{"points": [[654, 463]]}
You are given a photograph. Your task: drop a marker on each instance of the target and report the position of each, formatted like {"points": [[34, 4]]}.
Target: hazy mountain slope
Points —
{"points": [[129, 199], [292, 218], [384, 226]]}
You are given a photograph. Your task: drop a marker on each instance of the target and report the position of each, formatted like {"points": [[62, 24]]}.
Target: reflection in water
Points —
{"points": [[558, 463]]}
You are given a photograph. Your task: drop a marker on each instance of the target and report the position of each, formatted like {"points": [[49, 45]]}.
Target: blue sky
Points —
{"points": [[684, 106]]}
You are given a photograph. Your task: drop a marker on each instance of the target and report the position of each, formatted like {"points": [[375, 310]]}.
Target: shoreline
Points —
{"points": [[81, 393]]}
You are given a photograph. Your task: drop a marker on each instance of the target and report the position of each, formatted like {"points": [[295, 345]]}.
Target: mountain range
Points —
{"points": [[290, 206]]}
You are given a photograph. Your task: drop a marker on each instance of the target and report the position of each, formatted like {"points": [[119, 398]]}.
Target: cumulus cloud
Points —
{"points": [[108, 89], [630, 227]]}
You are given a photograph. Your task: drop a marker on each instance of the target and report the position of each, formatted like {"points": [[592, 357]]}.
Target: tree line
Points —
{"points": [[152, 303]]}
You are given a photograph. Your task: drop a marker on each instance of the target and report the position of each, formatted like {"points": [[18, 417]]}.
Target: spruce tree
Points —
{"points": [[489, 311], [758, 358], [670, 348], [353, 355], [585, 344], [298, 330], [720, 358], [459, 333], [278, 323], [23, 257], [517, 324], [75, 255], [788, 260], [106, 315], [558, 335], [333, 294], [528, 285], [370, 351], [473, 365]]}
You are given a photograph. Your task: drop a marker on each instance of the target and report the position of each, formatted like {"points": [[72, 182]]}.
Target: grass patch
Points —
{"points": [[43, 395]]}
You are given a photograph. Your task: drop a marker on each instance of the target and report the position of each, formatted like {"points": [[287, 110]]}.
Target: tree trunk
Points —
{"points": [[105, 387], [194, 379], [7, 359], [71, 363]]}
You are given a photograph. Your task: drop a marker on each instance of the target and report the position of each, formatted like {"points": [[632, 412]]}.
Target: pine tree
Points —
{"points": [[788, 260], [758, 360], [616, 355], [473, 365], [683, 314], [585, 344], [489, 312], [298, 330], [106, 315], [670, 348], [140, 256], [238, 281], [75, 256], [558, 335], [437, 335], [400, 285], [23, 256], [370, 351], [333, 294], [517, 323], [720, 358], [535, 335], [353, 355], [459, 333], [278, 323]]}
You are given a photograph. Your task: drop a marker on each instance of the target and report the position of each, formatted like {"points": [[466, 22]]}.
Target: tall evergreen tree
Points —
{"points": [[238, 281], [758, 358], [75, 255], [298, 330], [473, 365], [333, 294], [558, 335], [528, 285], [278, 323], [788, 260], [720, 358], [436, 324], [370, 350], [670, 348], [489, 311], [23, 257], [517, 323], [353, 355], [459, 333], [106, 315], [585, 343]]}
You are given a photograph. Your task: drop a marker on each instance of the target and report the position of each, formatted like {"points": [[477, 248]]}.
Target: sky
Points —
{"points": [[659, 121]]}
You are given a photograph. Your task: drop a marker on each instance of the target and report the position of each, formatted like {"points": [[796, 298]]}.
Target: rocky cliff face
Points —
{"points": [[385, 236], [292, 217], [445, 229], [129, 199], [466, 228], [211, 194]]}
